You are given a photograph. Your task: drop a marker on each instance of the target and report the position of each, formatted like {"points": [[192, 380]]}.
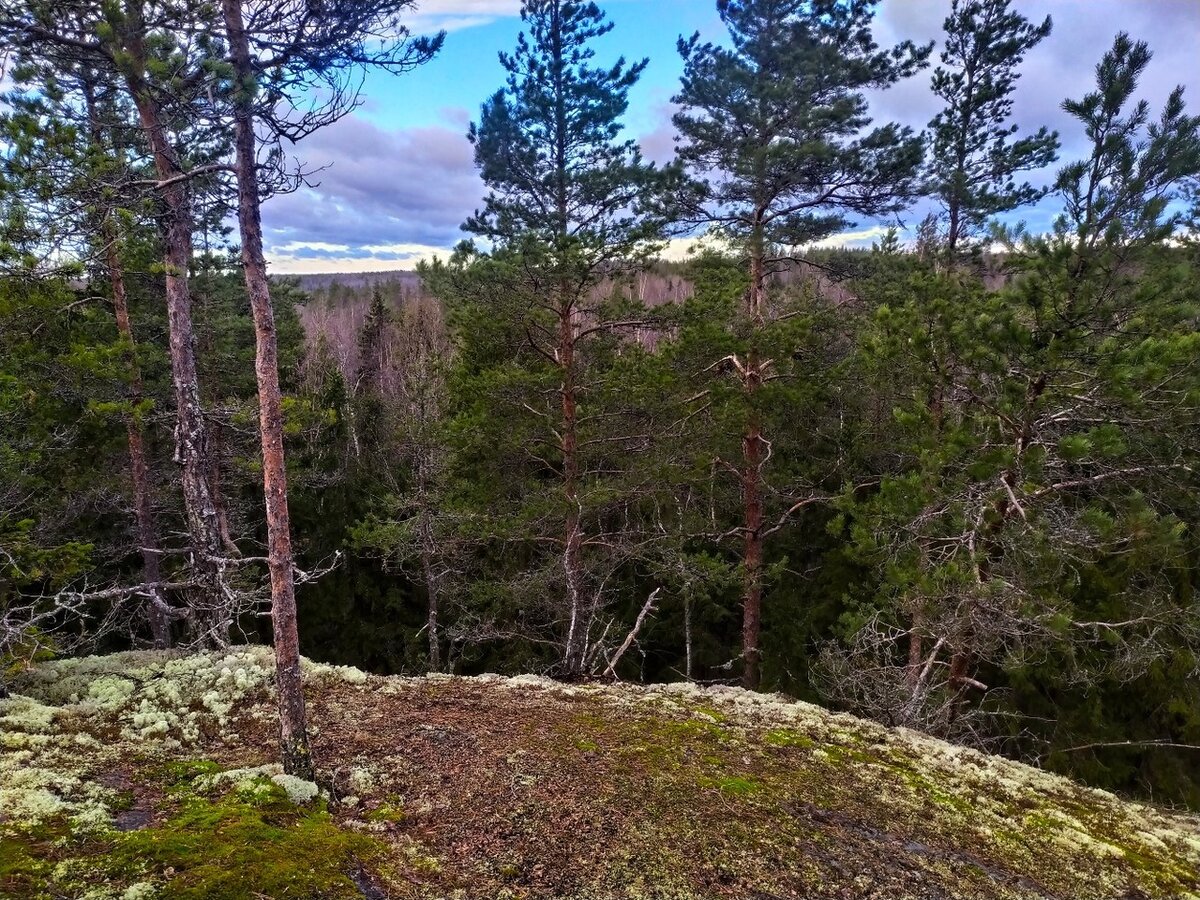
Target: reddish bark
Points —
{"points": [[147, 532], [139, 471], [294, 746]]}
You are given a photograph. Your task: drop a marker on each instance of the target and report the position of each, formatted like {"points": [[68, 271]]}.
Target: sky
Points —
{"points": [[395, 179]]}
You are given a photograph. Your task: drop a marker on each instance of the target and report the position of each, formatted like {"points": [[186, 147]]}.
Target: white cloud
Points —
{"points": [[455, 15], [293, 246], [287, 264], [860, 238]]}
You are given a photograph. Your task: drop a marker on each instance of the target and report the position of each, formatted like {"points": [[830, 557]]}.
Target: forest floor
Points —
{"points": [[145, 775]]}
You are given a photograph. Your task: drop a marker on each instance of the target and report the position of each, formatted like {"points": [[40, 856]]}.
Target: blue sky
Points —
{"points": [[398, 176]]}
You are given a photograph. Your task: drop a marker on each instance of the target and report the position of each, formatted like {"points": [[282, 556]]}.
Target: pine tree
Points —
{"points": [[975, 157], [774, 130], [276, 59], [569, 203], [1042, 518]]}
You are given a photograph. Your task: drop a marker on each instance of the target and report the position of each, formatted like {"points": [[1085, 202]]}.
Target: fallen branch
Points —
{"points": [[647, 608]]}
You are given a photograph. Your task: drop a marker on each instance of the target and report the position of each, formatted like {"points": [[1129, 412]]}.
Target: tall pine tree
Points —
{"points": [[570, 202], [974, 158], [774, 127]]}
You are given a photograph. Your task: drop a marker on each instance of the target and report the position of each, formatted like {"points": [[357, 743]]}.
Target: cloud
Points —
{"points": [[1062, 66], [393, 196], [381, 189], [404, 257], [456, 15], [658, 144], [863, 237]]}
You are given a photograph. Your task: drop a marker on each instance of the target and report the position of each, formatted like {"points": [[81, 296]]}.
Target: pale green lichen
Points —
{"points": [[74, 718], [299, 790], [330, 673]]}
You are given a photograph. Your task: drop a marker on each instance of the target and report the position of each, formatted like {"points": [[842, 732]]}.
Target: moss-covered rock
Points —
{"points": [[145, 775]]}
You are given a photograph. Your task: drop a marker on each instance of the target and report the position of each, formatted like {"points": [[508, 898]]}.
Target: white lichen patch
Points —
{"points": [[326, 672], [25, 715], [154, 695], [73, 719], [298, 789], [255, 782]]}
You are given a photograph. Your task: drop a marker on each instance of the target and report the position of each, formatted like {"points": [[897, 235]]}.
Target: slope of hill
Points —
{"points": [[144, 774]]}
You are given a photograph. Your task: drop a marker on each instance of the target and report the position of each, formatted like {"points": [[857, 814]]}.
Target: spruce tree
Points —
{"points": [[975, 157], [774, 128]]}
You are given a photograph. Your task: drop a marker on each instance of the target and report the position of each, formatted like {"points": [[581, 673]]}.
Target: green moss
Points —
{"points": [[178, 775], [242, 846], [785, 737], [23, 864], [737, 785], [388, 811], [231, 848]]}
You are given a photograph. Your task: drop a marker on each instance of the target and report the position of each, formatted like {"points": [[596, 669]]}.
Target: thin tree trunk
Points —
{"points": [[147, 532], [573, 537], [752, 553], [687, 637], [428, 544], [216, 451], [209, 604], [294, 746], [916, 648], [752, 501]]}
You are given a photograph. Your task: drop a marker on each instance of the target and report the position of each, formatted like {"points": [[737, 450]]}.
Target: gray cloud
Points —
{"points": [[381, 187], [1061, 66], [387, 192]]}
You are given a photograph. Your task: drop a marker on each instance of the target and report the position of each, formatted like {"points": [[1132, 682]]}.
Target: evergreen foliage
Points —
{"points": [[974, 157], [960, 499]]}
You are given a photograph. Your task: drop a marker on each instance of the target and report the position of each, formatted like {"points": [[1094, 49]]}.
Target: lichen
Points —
{"points": [[731, 787]]}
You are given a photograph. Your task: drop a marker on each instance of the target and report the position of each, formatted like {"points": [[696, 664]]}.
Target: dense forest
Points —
{"points": [[948, 482]]}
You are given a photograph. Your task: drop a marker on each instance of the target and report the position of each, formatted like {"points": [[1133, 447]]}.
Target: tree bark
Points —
{"points": [[139, 472], [573, 536], [753, 446], [294, 746], [428, 544], [209, 620], [147, 532]]}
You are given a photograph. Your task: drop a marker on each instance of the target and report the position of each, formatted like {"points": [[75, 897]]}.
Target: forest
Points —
{"points": [[948, 482]]}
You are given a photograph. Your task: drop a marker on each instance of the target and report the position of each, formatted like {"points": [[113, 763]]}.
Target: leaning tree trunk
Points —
{"points": [[294, 746], [210, 602]]}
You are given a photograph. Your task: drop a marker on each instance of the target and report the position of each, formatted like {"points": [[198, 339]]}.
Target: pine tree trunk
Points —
{"points": [[294, 746], [428, 549], [147, 532], [752, 501], [209, 619]]}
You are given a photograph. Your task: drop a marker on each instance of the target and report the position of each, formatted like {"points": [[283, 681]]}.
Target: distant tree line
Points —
{"points": [[948, 485]]}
